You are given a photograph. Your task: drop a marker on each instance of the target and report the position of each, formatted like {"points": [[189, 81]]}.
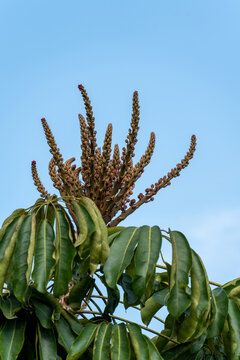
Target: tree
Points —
{"points": [[57, 255]]}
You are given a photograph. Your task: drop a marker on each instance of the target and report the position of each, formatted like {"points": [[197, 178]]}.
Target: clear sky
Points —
{"points": [[182, 56]]}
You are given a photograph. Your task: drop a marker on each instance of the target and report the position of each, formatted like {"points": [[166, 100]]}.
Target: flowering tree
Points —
{"points": [[58, 255]]}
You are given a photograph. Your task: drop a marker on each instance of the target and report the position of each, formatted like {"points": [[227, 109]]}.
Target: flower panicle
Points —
{"points": [[37, 181], [54, 150], [107, 177], [161, 183]]}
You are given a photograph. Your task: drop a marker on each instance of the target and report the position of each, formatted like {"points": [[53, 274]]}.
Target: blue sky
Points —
{"points": [[182, 56]]}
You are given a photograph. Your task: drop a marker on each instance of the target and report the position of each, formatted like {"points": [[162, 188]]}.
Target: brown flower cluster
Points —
{"points": [[109, 182]]}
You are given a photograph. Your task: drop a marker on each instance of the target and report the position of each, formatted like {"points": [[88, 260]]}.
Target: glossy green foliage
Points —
{"points": [[43, 261], [22, 260], [46, 344], [80, 291], [120, 343], [50, 273], [146, 257], [220, 311], [93, 236], [64, 254], [11, 338], [179, 300], [133, 255], [121, 253]]}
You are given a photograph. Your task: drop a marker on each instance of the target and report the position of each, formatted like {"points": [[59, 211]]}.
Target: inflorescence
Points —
{"points": [[108, 181]]}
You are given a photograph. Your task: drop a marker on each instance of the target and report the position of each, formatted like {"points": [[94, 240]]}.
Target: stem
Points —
{"points": [[132, 322], [135, 307]]}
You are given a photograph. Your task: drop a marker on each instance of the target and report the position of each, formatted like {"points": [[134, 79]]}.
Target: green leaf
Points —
{"points": [[115, 229], [112, 237], [79, 292], [66, 336], [146, 256], [82, 223], [65, 252], [101, 349], [82, 342], [16, 213], [153, 351], [44, 313], [120, 343], [43, 262], [130, 298], [10, 306], [21, 260], [113, 296], [234, 328], [75, 324], [121, 253], [99, 249], [7, 246], [138, 342], [89, 204], [179, 300], [232, 288], [221, 310], [50, 214], [49, 300], [153, 304], [198, 319], [31, 248], [47, 344], [11, 338]]}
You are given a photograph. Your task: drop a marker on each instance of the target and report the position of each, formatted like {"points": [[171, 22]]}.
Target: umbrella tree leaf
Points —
{"points": [[44, 249], [120, 343], [179, 300], [101, 348], [82, 342], [23, 257], [146, 256], [46, 344], [65, 252], [221, 311], [121, 253], [11, 338]]}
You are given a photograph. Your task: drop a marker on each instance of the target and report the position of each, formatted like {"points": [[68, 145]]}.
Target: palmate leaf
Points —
{"points": [[138, 342], [82, 342], [153, 352], [198, 320], [75, 325], [8, 236], [9, 305], [66, 336], [120, 343], [153, 304], [93, 234], [232, 288], [64, 253], [44, 249], [179, 300], [220, 312], [11, 338], [145, 257], [44, 313], [16, 213], [101, 348], [234, 329], [23, 256], [121, 253], [46, 344], [80, 291]]}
